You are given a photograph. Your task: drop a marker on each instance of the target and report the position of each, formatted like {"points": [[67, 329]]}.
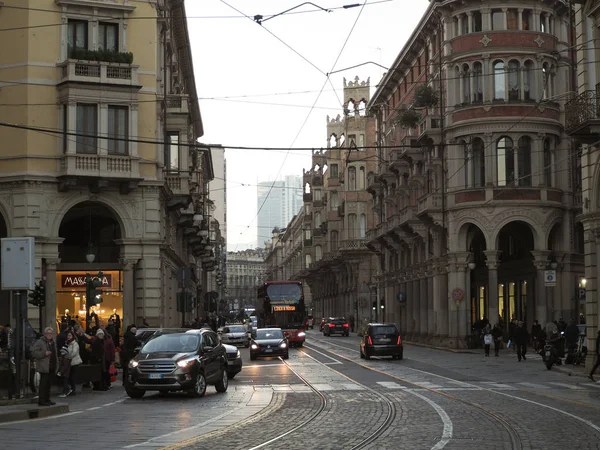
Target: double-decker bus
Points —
{"points": [[281, 304]]}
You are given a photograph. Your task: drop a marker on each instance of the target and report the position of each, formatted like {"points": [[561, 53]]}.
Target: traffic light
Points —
{"points": [[374, 306], [92, 289], [37, 297], [42, 292]]}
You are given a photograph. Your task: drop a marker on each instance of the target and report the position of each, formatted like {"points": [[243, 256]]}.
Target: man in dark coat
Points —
{"points": [[130, 343], [46, 363], [591, 375], [520, 337]]}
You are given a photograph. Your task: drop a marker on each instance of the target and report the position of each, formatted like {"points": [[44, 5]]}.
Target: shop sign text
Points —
{"points": [[78, 281]]}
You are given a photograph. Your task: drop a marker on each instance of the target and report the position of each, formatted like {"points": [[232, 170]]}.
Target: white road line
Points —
{"points": [[323, 387], [568, 386], [534, 385], [40, 419], [428, 385], [352, 387], [390, 385], [596, 385], [325, 355], [94, 408], [494, 385], [214, 419]]}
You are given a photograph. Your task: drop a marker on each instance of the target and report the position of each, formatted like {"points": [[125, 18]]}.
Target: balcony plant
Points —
{"points": [[101, 55], [407, 117], [425, 96]]}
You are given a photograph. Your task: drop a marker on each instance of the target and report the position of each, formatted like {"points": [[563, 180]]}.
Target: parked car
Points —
{"points": [[336, 325], [179, 362], [234, 335], [381, 339], [269, 342]]}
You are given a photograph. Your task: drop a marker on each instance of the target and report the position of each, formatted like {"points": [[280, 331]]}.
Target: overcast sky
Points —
{"points": [[257, 83]]}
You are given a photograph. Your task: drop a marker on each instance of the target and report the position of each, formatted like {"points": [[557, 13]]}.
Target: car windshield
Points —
{"points": [[269, 334], [384, 330], [338, 321], [234, 329], [172, 343]]}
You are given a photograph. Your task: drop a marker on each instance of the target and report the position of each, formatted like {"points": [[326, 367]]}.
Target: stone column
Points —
{"points": [[492, 262], [424, 313], [127, 265], [520, 19], [417, 305], [505, 16], [541, 307], [430, 311], [50, 310], [410, 302], [470, 21]]}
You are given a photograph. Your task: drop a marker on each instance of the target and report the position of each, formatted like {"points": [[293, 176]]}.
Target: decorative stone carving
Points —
{"points": [[485, 40], [539, 41]]}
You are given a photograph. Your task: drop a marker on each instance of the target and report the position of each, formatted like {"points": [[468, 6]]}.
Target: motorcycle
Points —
{"points": [[550, 354]]}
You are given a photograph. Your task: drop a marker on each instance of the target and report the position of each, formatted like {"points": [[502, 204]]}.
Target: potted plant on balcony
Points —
{"points": [[425, 96], [407, 117]]}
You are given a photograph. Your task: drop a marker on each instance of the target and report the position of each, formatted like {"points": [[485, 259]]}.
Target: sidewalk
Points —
{"points": [[447, 349], [30, 410]]}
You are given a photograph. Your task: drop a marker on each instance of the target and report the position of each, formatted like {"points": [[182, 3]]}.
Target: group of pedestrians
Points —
{"points": [[518, 336]]}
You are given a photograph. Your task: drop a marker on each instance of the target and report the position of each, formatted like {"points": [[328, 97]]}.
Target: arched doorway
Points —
{"points": [[4, 295], [516, 273], [476, 245], [90, 231]]}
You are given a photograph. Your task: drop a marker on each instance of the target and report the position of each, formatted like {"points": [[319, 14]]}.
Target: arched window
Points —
{"points": [[499, 81], [457, 84], [545, 80], [466, 82], [477, 22], [352, 226], [333, 241], [547, 163], [317, 219], [333, 202], [528, 81], [363, 226], [351, 178], [361, 178], [527, 20], [524, 160], [308, 260], [318, 253], [512, 19], [477, 82], [506, 161], [478, 163], [467, 163], [514, 83], [497, 19]]}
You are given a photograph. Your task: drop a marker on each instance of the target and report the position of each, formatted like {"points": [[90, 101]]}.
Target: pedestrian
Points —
{"points": [[487, 338], [591, 375], [536, 330], [109, 358], [572, 338], [352, 323], [97, 358], [520, 339], [46, 361], [497, 334], [73, 356], [130, 343]]}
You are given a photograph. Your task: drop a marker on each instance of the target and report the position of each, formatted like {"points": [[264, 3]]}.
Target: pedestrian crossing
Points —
{"points": [[443, 385]]}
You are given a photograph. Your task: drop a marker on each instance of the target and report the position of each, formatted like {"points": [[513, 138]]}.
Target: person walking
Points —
{"points": [[46, 361], [109, 358], [69, 387], [487, 338], [130, 343], [591, 375], [497, 335], [520, 337], [97, 358]]}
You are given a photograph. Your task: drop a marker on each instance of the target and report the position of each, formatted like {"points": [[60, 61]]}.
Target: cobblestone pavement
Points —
{"points": [[431, 400]]}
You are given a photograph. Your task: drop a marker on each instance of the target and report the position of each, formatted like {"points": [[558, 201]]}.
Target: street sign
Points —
{"points": [[550, 277], [18, 264], [581, 294]]}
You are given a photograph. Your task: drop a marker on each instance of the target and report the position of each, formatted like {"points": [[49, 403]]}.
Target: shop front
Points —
{"points": [[71, 298]]}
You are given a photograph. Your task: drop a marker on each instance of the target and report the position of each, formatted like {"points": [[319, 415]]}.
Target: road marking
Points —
{"points": [[427, 385], [494, 385], [534, 385], [568, 386], [596, 385], [391, 385], [352, 387], [335, 361], [323, 387]]}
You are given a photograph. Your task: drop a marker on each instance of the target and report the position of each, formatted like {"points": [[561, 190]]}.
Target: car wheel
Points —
{"points": [[300, 344], [134, 393], [400, 355], [199, 388], [230, 375], [286, 356], [223, 383]]}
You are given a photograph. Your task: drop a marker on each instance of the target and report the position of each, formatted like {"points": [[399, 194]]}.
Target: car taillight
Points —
{"points": [[331, 325], [399, 341], [346, 325], [370, 340]]}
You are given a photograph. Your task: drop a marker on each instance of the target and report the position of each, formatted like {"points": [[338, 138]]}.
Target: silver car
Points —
{"points": [[234, 335]]}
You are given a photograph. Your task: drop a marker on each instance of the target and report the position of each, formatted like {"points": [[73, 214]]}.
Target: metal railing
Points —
{"points": [[583, 108]]}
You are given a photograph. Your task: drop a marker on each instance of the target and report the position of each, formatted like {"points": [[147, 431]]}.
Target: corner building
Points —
{"points": [[103, 170], [476, 193]]}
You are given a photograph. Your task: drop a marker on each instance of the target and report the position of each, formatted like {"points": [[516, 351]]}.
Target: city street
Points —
{"points": [[325, 396]]}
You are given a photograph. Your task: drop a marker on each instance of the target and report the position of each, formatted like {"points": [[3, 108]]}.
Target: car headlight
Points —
{"points": [[283, 345], [186, 362], [133, 364], [254, 347], [301, 334], [238, 354]]}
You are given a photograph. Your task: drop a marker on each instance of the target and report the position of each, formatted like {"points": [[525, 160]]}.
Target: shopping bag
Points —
{"points": [[509, 345], [113, 373], [487, 339], [36, 380]]}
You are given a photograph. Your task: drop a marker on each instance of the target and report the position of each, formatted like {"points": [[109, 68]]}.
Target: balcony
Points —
{"points": [[374, 184], [429, 208], [307, 197], [99, 72], [308, 218], [430, 129], [353, 246], [582, 115], [178, 183], [101, 168], [177, 104]]}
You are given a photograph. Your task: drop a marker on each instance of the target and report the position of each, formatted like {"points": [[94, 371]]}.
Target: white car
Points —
{"points": [[234, 335]]}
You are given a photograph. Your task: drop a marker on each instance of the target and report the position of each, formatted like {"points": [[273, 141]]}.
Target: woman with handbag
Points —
{"points": [[74, 359], [487, 338]]}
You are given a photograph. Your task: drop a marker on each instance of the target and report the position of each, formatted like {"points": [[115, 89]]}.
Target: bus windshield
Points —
{"points": [[284, 294]]}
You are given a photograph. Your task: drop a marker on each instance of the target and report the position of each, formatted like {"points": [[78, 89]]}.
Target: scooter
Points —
{"points": [[549, 355]]}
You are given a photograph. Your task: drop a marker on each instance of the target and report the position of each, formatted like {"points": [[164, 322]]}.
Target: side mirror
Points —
{"points": [[207, 349]]}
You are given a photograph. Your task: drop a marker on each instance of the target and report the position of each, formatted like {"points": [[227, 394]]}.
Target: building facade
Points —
{"points": [[277, 203], [583, 124], [104, 169], [245, 271], [476, 186]]}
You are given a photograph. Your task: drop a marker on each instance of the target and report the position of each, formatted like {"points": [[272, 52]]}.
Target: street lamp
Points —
{"points": [[90, 255], [472, 265]]}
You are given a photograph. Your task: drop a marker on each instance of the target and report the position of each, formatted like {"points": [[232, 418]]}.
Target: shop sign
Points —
{"points": [[70, 281]]}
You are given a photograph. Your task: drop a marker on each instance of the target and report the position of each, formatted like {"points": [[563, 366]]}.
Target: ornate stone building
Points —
{"points": [[105, 171], [476, 187], [245, 271]]}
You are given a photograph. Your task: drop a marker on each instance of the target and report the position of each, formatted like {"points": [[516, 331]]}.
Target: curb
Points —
{"points": [[452, 350], [573, 373], [33, 413], [17, 401]]}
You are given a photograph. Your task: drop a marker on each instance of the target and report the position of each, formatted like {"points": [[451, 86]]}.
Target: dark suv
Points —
{"points": [[179, 362], [336, 325], [381, 339]]}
